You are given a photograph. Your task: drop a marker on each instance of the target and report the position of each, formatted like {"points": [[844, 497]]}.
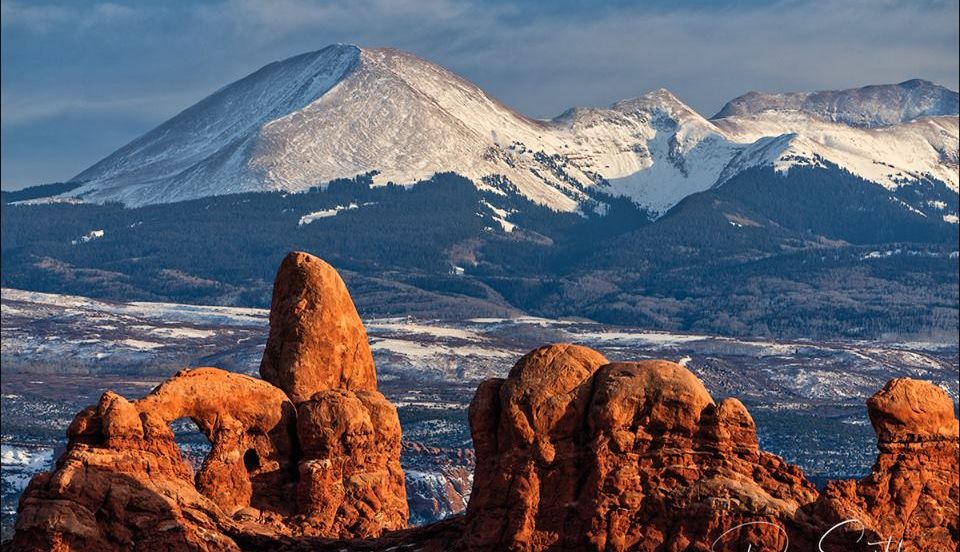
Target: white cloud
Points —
{"points": [[57, 17], [148, 62]]}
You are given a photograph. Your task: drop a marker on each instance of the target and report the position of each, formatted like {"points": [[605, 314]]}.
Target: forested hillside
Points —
{"points": [[814, 252]]}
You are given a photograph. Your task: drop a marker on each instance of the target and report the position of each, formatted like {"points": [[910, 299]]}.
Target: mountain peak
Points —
{"points": [[660, 97], [869, 106], [916, 83], [346, 110]]}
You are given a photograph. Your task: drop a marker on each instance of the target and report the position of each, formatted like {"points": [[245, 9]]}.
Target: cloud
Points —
{"points": [[544, 62], [46, 18], [22, 111], [144, 62], [34, 18]]}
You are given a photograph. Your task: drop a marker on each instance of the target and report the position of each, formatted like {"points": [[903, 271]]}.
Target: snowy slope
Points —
{"points": [[889, 134], [343, 110], [203, 150], [890, 156], [869, 106], [654, 149]]}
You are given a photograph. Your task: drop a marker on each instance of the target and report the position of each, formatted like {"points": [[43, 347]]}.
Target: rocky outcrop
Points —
{"points": [[317, 341], [122, 483], [572, 452], [351, 482], [577, 454], [912, 495], [313, 451]]}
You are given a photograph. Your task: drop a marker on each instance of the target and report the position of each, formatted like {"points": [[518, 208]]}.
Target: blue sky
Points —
{"points": [[80, 79]]}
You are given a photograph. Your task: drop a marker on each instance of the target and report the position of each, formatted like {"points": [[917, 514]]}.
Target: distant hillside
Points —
{"points": [[815, 251], [36, 192]]}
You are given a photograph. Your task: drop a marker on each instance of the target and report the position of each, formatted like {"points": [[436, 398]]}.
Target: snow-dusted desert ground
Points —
{"points": [[59, 353]]}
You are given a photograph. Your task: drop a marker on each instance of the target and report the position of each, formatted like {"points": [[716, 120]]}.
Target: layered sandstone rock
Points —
{"points": [[528, 433], [122, 483], [349, 478], [351, 482], [316, 455], [577, 454]]}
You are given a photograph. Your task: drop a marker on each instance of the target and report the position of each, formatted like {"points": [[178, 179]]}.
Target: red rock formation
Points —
{"points": [[122, 483], [528, 432], [572, 453], [577, 454], [317, 341], [912, 495], [324, 462], [351, 482]]}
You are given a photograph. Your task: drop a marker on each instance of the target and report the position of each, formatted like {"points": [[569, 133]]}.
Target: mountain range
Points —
{"points": [[823, 214], [343, 111]]}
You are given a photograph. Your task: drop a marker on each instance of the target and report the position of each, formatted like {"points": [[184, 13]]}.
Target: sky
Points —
{"points": [[82, 78]]}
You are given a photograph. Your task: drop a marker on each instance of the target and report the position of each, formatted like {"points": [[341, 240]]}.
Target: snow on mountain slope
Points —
{"points": [[653, 149], [890, 156], [869, 106], [202, 151], [408, 119], [334, 113], [343, 110]]}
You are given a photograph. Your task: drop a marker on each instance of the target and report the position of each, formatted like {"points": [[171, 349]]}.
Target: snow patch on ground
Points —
{"points": [[327, 213], [140, 344], [19, 464], [88, 237]]}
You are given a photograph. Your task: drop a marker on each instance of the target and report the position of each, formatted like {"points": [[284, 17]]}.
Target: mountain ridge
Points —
{"points": [[911, 100], [345, 110]]}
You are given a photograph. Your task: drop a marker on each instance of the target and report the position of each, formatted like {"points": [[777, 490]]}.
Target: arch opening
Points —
{"points": [[193, 443], [251, 460]]}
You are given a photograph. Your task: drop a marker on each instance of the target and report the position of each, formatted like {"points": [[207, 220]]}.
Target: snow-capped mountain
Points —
{"points": [[343, 111], [889, 134], [869, 106], [891, 156]]}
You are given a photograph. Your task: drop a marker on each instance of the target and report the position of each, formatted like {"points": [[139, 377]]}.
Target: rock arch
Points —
{"points": [[243, 418]]}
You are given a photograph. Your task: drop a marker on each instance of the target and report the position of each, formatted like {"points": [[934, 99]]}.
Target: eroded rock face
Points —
{"points": [[317, 454], [351, 482], [317, 341], [913, 493], [122, 483], [528, 433], [577, 454]]}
